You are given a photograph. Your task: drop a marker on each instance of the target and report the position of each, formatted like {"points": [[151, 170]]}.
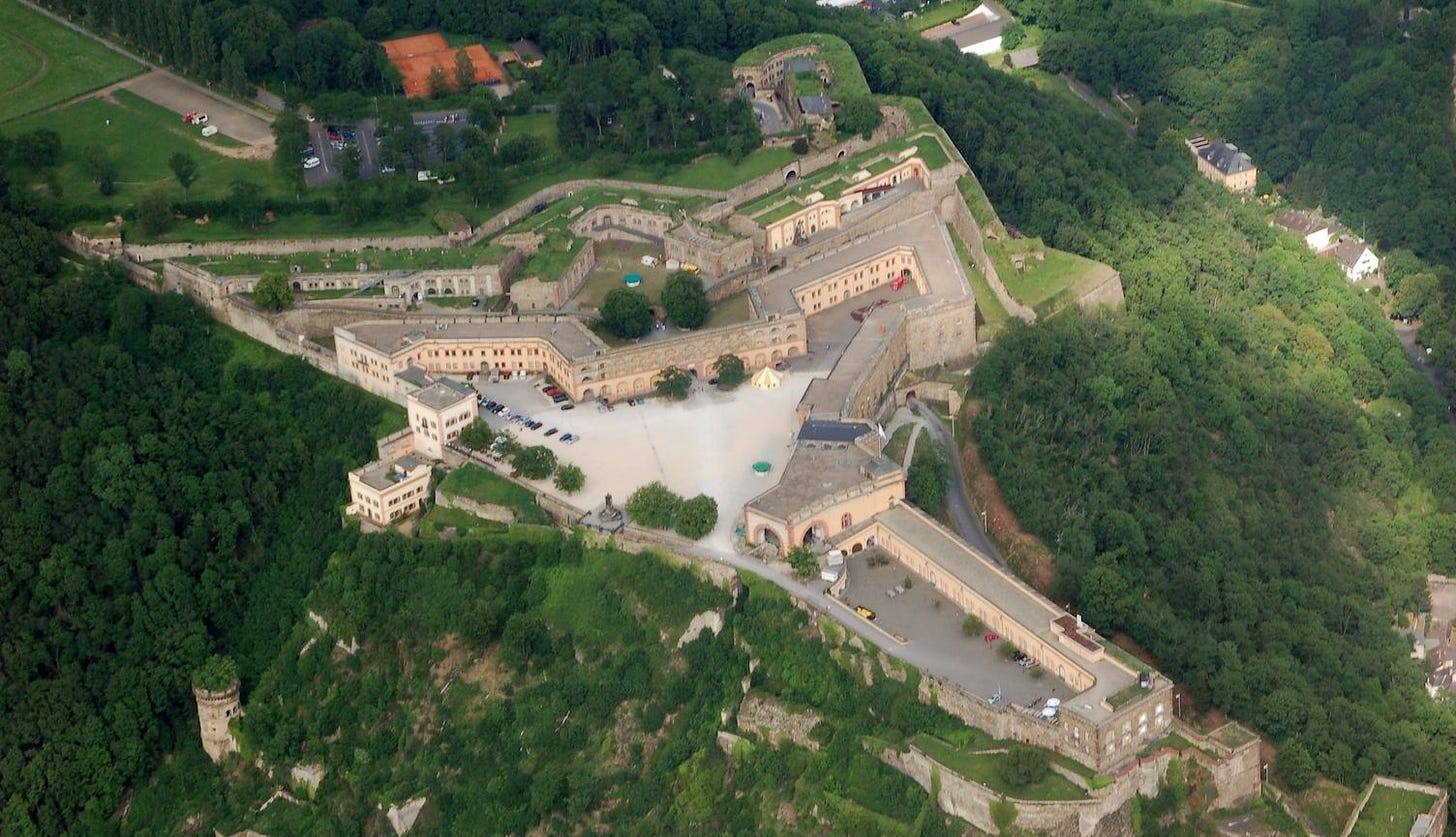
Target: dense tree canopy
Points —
{"points": [[158, 501]]}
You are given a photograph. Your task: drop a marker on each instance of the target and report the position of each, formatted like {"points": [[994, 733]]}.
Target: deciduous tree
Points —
{"points": [[535, 462], [673, 382], [696, 517], [184, 168], [626, 313], [685, 300], [569, 478], [653, 505], [730, 371]]}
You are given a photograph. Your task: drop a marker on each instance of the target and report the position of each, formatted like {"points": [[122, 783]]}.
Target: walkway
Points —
{"points": [[1086, 94], [957, 500]]}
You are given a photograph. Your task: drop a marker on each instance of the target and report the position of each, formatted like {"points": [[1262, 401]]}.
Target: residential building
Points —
{"points": [[437, 414], [528, 53], [1315, 230], [1356, 258], [1224, 164], [979, 32]]}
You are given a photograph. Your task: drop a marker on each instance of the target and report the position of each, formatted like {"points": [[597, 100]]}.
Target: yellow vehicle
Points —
{"points": [[691, 268], [865, 612]]}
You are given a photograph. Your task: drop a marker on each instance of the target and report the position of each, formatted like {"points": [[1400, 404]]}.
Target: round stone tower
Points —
{"points": [[215, 709]]}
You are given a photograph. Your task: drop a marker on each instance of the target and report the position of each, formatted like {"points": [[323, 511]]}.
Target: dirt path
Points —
{"points": [[45, 64]]}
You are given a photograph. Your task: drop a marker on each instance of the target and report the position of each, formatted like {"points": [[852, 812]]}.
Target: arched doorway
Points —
{"points": [[859, 547], [770, 537], [298, 286], [791, 177]]}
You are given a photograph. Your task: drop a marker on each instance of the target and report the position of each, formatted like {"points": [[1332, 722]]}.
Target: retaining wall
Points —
{"points": [[281, 246]]}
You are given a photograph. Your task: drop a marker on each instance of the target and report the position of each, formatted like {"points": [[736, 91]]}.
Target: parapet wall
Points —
{"points": [[281, 246]]}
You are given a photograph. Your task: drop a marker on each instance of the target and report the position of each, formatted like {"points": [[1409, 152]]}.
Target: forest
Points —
{"points": [[525, 681], [168, 490]]}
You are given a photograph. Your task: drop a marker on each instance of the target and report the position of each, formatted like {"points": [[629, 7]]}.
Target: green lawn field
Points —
{"points": [[140, 141], [42, 63]]}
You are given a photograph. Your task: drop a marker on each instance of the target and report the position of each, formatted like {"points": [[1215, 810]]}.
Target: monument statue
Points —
{"points": [[609, 511]]}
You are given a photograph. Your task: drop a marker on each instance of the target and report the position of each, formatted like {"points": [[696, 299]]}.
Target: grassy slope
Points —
{"points": [[478, 484], [74, 64]]}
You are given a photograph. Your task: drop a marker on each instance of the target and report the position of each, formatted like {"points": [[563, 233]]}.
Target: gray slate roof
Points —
{"points": [[1226, 157]]}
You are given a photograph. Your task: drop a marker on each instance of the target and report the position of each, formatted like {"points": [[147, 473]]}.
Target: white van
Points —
{"points": [[210, 130]]}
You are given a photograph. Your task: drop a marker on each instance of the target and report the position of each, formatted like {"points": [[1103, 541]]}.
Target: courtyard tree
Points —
{"points": [[477, 435], [154, 212], [673, 382], [535, 463], [696, 517], [184, 168], [627, 313], [272, 291], [569, 478], [685, 300], [730, 371], [653, 505], [804, 561]]}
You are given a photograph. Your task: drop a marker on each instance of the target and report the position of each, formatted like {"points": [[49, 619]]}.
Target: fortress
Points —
{"points": [[881, 228]]}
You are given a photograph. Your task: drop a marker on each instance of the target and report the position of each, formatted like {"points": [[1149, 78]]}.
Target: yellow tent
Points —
{"points": [[767, 378]]}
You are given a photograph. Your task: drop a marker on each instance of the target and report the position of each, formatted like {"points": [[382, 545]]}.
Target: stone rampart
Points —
{"points": [[485, 511], [533, 293], [1437, 812], [896, 124], [953, 208], [283, 246], [527, 206]]}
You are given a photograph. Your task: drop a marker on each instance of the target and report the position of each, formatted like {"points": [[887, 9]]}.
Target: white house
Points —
{"points": [[1356, 259], [979, 33], [1316, 230]]}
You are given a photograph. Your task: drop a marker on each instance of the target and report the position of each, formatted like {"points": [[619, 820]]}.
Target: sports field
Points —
{"points": [[42, 62]]}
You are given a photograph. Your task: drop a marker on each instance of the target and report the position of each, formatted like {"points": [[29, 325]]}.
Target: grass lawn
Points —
{"points": [[465, 523], [899, 441], [1039, 283], [986, 769], [1328, 805], [461, 302], [287, 226], [557, 251], [731, 310], [141, 144], [992, 311], [478, 484], [542, 125], [941, 13], [152, 110], [1391, 812], [42, 62], [613, 263]]}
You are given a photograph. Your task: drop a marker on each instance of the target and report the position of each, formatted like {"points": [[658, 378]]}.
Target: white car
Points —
{"points": [[210, 131], [312, 163], [199, 119]]}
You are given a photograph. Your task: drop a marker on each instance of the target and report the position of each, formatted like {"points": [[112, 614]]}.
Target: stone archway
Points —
{"points": [[768, 535], [298, 286], [588, 394], [793, 351], [859, 547], [840, 155], [791, 176]]}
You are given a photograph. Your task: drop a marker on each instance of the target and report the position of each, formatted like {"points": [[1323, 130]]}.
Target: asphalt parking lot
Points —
{"points": [[939, 643], [370, 163]]}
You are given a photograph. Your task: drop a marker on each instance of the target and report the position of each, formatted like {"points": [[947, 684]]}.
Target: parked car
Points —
{"points": [[568, 406], [865, 612], [559, 397], [209, 131], [551, 432], [312, 163]]}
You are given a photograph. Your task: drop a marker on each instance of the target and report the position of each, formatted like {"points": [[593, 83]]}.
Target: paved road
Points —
{"points": [[1086, 94], [958, 502]]}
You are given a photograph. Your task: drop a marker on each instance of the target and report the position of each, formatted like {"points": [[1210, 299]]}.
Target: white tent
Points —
{"points": [[768, 378]]}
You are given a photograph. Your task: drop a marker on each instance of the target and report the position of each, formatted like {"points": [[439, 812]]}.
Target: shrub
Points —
{"points": [[972, 625], [804, 561], [569, 478], [535, 463], [696, 517], [1023, 766], [653, 505]]}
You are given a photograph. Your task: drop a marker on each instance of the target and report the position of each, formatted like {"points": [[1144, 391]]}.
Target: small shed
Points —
{"points": [[1022, 59]]}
